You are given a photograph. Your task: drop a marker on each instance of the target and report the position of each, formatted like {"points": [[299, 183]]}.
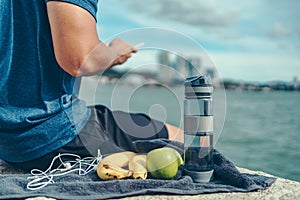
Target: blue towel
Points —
{"points": [[73, 186]]}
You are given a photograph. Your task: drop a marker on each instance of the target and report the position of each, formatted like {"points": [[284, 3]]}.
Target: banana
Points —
{"points": [[138, 165], [111, 172], [110, 167], [120, 159]]}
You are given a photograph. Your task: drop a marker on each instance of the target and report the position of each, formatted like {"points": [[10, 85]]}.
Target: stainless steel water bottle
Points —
{"points": [[198, 129]]}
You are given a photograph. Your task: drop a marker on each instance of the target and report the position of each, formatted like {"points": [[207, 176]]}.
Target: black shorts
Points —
{"points": [[106, 130]]}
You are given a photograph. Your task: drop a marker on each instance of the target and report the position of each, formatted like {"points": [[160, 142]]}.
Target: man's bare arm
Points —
{"points": [[76, 45]]}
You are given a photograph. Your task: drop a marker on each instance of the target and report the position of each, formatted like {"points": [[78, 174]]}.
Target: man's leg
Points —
{"points": [[175, 133], [115, 131]]}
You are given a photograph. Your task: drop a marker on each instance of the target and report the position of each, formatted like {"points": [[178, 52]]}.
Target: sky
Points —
{"points": [[257, 40]]}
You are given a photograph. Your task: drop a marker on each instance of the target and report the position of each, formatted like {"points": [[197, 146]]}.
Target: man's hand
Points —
{"points": [[123, 49]]}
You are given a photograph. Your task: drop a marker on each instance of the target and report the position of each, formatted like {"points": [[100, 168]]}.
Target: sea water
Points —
{"points": [[261, 130]]}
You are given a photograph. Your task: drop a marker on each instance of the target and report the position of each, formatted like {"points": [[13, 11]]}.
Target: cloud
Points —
{"points": [[298, 30], [285, 36], [192, 12], [247, 39], [278, 31]]}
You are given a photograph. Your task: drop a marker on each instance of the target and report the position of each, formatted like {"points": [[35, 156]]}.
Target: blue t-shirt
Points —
{"points": [[39, 111]]}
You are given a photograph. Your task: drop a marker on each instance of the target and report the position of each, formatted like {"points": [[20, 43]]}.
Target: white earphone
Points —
{"points": [[41, 179]]}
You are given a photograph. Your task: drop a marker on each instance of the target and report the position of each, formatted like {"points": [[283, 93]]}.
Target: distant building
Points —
{"points": [[188, 66], [194, 66], [211, 72], [183, 66], [296, 83], [164, 58], [166, 74]]}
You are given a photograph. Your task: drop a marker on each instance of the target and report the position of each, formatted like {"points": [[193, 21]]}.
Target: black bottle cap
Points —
{"points": [[198, 81], [198, 86]]}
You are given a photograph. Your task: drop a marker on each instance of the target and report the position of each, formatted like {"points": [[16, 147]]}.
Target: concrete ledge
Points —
{"points": [[280, 189]]}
